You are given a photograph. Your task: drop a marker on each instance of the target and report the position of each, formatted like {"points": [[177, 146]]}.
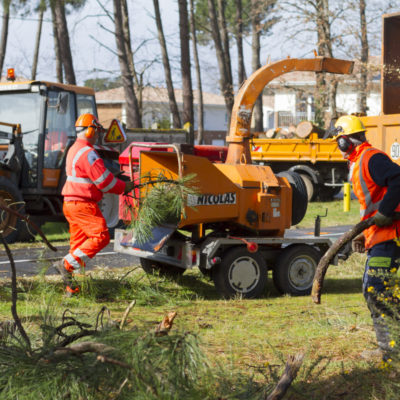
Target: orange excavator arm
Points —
{"points": [[239, 132]]}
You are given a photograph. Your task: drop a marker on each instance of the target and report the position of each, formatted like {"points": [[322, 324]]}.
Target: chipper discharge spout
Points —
{"points": [[239, 133]]}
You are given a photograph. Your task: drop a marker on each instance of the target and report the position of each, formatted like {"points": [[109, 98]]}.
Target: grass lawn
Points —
{"points": [[254, 337]]}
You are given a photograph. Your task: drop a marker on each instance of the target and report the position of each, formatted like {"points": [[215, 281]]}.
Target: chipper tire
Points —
{"points": [[10, 224], [299, 195], [295, 269], [240, 273], [152, 267]]}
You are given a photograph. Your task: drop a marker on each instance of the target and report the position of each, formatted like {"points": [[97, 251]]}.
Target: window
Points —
{"points": [[86, 104], [60, 125], [24, 109]]}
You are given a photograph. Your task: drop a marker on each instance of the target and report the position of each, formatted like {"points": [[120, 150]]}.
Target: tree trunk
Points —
{"points": [[129, 54], [4, 33], [326, 92], [37, 42], [225, 86], [132, 107], [59, 67], [176, 120], [200, 105], [239, 43], [225, 40], [185, 63], [255, 60], [63, 39], [362, 94], [333, 84]]}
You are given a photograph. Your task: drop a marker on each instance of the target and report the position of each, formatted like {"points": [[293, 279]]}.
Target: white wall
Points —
{"points": [[374, 104], [215, 118], [285, 102]]}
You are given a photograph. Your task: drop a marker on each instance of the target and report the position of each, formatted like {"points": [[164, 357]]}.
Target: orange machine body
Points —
{"points": [[247, 196]]}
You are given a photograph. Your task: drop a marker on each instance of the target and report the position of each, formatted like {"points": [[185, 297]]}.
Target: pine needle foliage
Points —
{"points": [[163, 202], [150, 367]]}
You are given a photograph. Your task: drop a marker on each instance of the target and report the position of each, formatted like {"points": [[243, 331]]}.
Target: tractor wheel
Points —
{"points": [[295, 269], [299, 195], [152, 267], [240, 273], [10, 196], [309, 186]]}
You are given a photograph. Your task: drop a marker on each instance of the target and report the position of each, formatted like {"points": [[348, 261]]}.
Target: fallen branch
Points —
{"points": [[166, 324], [292, 367], [14, 295], [331, 253], [104, 359], [126, 313], [29, 222], [81, 348]]}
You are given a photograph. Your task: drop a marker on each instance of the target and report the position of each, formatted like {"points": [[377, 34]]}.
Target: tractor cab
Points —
{"points": [[37, 127]]}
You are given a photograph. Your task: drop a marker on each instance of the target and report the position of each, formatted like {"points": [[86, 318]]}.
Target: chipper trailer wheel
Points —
{"points": [[240, 273], [295, 269], [152, 267]]}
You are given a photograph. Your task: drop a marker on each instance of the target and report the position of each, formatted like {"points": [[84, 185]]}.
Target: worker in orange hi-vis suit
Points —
{"points": [[87, 180]]}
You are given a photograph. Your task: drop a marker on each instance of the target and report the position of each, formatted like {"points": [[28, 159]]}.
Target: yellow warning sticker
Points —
{"points": [[115, 133]]}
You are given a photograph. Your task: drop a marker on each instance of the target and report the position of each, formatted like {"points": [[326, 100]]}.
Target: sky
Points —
{"points": [[93, 45]]}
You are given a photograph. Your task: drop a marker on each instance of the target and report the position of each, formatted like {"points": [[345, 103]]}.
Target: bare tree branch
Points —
{"points": [[289, 375]]}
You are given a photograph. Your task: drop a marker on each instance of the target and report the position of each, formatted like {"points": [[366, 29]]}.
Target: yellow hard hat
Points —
{"points": [[348, 125]]}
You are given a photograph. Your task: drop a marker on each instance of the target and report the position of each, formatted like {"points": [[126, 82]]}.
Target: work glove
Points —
{"points": [[358, 243], [129, 186], [382, 220]]}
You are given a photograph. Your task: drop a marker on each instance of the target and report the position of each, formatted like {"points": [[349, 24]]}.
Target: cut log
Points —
{"points": [[331, 253], [305, 128], [289, 375]]}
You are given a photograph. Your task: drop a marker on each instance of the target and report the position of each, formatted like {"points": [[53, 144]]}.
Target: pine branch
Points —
{"points": [[163, 202]]}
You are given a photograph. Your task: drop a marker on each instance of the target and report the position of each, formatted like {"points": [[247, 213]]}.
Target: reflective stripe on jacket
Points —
{"points": [[87, 176], [370, 195]]}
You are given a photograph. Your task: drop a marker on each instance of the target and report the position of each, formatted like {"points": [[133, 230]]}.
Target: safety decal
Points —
{"points": [[115, 133], [211, 199]]}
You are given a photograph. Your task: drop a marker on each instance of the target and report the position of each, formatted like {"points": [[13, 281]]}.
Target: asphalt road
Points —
{"points": [[30, 261]]}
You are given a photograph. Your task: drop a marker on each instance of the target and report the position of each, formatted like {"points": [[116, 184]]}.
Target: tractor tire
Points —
{"points": [[153, 267], [309, 186], [240, 273], [295, 269], [299, 195], [10, 196]]}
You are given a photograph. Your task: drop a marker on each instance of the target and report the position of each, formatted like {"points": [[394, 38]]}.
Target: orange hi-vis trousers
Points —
{"points": [[88, 232]]}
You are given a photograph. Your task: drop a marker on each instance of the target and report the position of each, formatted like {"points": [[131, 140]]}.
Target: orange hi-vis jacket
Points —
{"points": [[370, 195], [87, 176]]}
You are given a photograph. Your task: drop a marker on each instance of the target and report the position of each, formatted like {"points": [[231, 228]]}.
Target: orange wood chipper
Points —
{"points": [[234, 227]]}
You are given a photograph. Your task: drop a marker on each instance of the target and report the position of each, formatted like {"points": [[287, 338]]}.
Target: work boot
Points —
{"points": [[71, 287]]}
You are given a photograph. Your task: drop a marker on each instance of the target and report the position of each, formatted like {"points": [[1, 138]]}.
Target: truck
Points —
{"points": [[317, 160], [36, 130]]}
